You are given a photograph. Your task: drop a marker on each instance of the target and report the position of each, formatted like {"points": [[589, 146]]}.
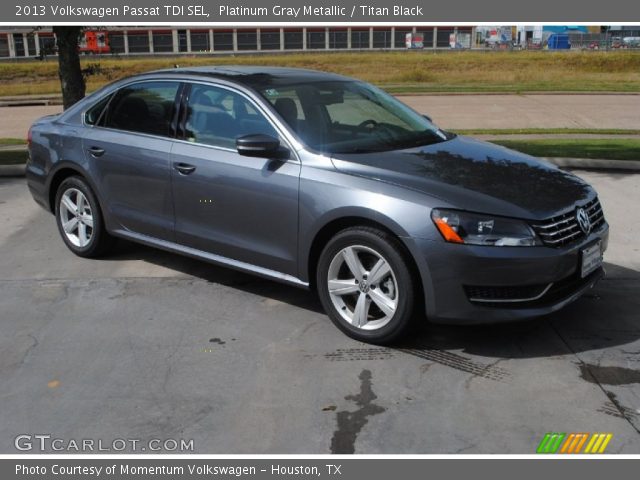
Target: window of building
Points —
{"points": [[222, 41], [138, 42], [382, 39], [162, 42], [401, 37], [247, 40], [293, 40], [116, 42], [315, 40], [360, 38], [338, 39], [270, 40], [200, 41]]}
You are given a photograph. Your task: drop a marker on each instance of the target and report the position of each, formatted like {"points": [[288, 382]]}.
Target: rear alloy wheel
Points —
{"points": [[76, 217], [365, 285], [79, 219]]}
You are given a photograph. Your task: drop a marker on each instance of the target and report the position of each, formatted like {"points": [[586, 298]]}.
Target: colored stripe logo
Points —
{"points": [[555, 442]]}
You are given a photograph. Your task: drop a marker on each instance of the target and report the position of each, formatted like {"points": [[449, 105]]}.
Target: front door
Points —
{"points": [[242, 208]]}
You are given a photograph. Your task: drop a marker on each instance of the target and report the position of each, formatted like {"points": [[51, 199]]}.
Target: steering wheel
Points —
{"points": [[368, 123]]}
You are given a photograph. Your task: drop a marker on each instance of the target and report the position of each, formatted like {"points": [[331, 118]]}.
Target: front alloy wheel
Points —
{"points": [[363, 287], [365, 284]]}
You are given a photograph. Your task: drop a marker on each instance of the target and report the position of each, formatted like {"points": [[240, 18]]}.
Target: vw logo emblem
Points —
{"points": [[583, 220]]}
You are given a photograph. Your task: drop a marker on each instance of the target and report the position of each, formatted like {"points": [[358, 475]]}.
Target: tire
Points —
{"points": [[85, 233], [374, 310]]}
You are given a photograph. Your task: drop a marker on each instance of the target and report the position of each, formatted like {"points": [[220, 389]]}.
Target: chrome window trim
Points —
{"points": [[291, 142], [255, 102], [115, 90]]}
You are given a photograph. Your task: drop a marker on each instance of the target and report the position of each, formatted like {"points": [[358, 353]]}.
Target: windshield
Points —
{"points": [[350, 117]]}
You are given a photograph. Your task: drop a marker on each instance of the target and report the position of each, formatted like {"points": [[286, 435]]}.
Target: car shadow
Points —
{"points": [[604, 317], [297, 297]]}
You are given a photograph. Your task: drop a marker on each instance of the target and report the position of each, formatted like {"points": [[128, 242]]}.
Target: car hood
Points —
{"points": [[473, 175]]}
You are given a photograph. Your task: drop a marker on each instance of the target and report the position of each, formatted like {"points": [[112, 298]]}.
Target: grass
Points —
{"points": [[4, 142], [13, 157], [611, 149], [398, 72], [547, 131]]}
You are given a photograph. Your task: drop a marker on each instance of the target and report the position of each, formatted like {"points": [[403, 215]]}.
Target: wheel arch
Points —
{"points": [[337, 224], [63, 171]]}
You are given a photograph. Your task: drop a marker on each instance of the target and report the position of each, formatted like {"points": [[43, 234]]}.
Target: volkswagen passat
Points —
{"points": [[319, 181]]}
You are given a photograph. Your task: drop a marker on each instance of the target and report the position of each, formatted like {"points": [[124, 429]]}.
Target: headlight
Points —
{"points": [[480, 229]]}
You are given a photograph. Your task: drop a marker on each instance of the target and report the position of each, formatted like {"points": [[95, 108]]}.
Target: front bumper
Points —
{"points": [[466, 284]]}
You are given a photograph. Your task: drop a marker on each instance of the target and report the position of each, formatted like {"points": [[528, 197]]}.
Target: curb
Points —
{"points": [[30, 103], [13, 148], [12, 170], [594, 164], [519, 94], [30, 100]]}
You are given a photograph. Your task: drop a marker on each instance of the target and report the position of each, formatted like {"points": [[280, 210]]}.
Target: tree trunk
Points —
{"points": [[71, 79]]}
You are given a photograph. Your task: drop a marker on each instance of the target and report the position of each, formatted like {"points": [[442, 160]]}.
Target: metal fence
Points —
{"points": [[24, 44]]}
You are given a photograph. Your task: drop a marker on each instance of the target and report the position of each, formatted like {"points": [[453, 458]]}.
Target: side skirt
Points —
{"points": [[210, 257]]}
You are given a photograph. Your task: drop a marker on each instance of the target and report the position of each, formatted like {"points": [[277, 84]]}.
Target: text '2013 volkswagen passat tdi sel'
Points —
{"points": [[320, 181]]}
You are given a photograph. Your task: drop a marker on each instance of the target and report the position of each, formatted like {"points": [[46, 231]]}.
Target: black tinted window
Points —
{"points": [[144, 107], [216, 116]]}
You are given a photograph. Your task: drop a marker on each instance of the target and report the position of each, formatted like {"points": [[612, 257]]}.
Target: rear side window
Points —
{"points": [[146, 107], [92, 116], [216, 116]]}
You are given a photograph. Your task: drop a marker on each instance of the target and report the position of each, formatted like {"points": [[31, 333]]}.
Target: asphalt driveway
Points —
{"points": [[146, 344]]}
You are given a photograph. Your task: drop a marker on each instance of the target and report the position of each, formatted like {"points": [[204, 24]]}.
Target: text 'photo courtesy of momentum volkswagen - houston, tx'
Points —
{"points": [[324, 182]]}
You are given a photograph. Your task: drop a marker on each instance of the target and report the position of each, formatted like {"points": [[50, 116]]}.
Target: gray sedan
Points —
{"points": [[323, 182]]}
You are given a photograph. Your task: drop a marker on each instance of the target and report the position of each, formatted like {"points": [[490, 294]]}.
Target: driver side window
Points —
{"points": [[217, 116]]}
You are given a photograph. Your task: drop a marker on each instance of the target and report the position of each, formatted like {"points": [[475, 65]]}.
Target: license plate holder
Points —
{"points": [[591, 258]]}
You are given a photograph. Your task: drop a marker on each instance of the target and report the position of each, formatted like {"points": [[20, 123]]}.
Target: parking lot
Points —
{"points": [[149, 345]]}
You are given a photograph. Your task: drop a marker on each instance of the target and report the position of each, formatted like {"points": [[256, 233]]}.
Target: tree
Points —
{"points": [[71, 78]]}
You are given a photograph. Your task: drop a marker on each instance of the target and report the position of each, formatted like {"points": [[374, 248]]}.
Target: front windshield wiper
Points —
{"points": [[361, 150], [419, 141]]}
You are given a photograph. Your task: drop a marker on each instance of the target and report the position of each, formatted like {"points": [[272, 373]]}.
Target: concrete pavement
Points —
{"points": [[145, 344], [15, 121], [457, 112], [530, 111]]}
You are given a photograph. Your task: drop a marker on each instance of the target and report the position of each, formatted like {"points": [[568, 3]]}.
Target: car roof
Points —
{"points": [[257, 76]]}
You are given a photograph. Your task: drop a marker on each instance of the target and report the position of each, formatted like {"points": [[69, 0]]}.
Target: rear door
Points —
{"points": [[128, 151], [242, 208]]}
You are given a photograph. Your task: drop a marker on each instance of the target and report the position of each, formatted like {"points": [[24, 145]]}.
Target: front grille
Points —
{"points": [[564, 229]]}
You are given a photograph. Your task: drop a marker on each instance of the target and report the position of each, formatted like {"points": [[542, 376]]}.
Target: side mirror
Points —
{"points": [[260, 145], [428, 118]]}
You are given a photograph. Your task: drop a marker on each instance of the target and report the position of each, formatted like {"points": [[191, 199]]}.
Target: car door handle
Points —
{"points": [[184, 168], [96, 152]]}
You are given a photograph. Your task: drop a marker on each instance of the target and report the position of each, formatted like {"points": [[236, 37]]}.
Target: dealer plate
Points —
{"points": [[591, 258]]}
